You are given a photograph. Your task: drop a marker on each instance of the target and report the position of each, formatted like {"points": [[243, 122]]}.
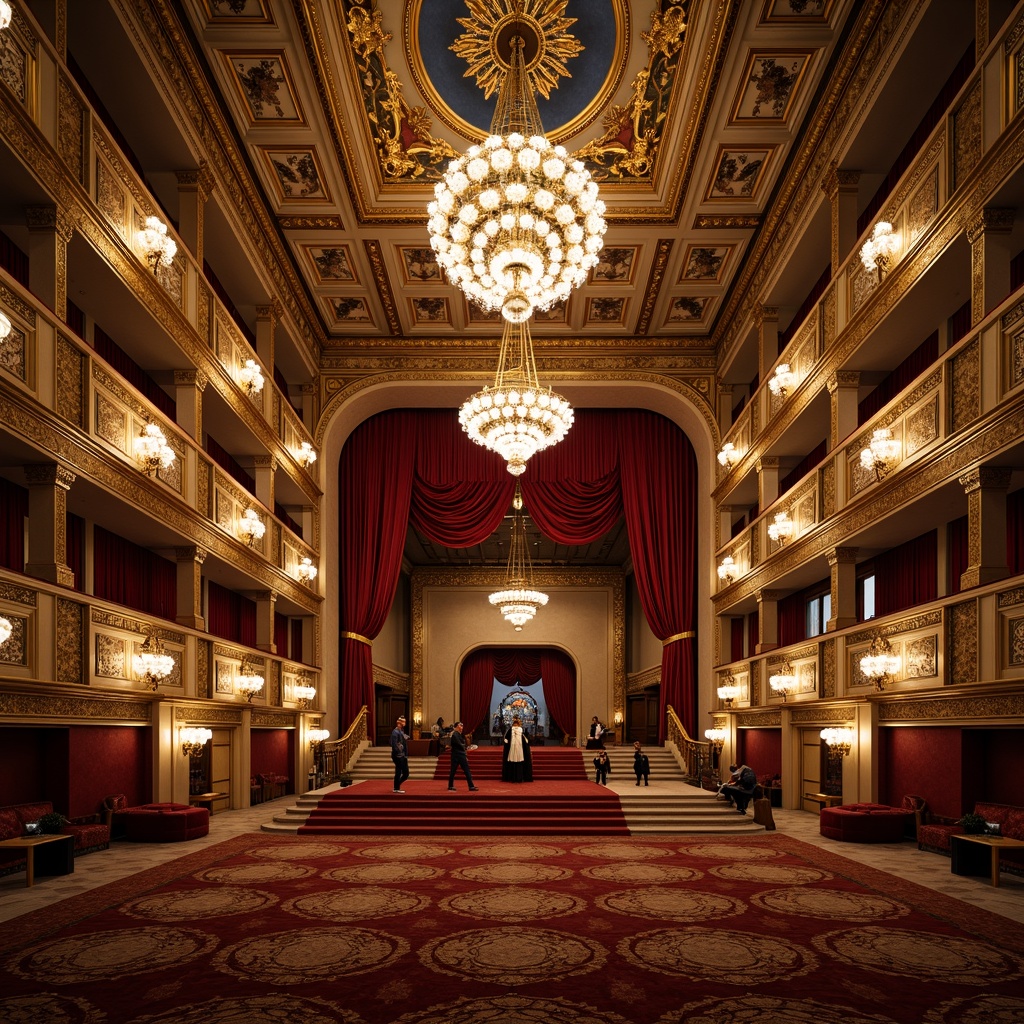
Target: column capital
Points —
{"points": [[190, 554], [985, 477], [264, 462], [764, 313], [768, 462], [193, 378], [762, 596], [50, 474], [199, 179], [271, 311], [50, 218], [997, 219], [838, 178], [843, 379], [307, 389], [842, 556]]}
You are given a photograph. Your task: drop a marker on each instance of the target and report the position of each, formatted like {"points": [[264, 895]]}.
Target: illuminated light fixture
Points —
{"points": [[728, 691], [5, 14], [727, 570], [519, 601], [5, 327], [249, 682], [781, 529], [878, 252], [617, 718], [728, 456], [716, 737], [306, 571], [152, 663], [782, 381], [194, 740], [317, 737], [250, 378], [251, 528], [783, 681], [152, 450], [6, 629], [880, 665], [304, 694], [305, 455], [882, 453], [839, 741], [516, 417], [516, 222], [158, 247]]}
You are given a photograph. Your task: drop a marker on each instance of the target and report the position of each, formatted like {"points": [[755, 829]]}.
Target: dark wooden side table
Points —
{"points": [[979, 855], [206, 800], [45, 855]]}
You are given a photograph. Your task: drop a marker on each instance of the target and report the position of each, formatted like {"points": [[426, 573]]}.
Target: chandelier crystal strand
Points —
{"points": [[519, 601]]}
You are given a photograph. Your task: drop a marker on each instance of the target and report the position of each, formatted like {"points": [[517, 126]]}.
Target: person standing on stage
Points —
{"points": [[400, 753], [516, 760], [594, 741], [459, 759]]}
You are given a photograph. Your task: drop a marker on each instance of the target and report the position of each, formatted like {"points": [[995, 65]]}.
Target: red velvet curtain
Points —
{"points": [[281, 635], [516, 666], [907, 575], [134, 576], [476, 681], [230, 615], [559, 675]]}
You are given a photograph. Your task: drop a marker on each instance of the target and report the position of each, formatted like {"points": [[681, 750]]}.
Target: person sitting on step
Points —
{"points": [[741, 791], [602, 766], [641, 765]]}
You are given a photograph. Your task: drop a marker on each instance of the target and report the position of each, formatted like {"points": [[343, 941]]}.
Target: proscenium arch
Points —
{"points": [[676, 400]]}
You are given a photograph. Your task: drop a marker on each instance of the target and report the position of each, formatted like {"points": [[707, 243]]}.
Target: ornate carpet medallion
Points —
{"points": [[50, 1008], [905, 953], [388, 871], [980, 1010], [621, 851], [356, 904], [302, 850], [513, 956], [780, 874], [254, 874], [513, 903], [275, 1009], [724, 851], [512, 872], [829, 904], [197, 905], [310, 955], [653, 874], [770, 1010], [511, 851], [401, 851], [663, 904], [700, 953], [504, 1009]]}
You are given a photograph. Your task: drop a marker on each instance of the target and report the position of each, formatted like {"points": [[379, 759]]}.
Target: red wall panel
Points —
{"points": [[925, 761], [104, 760], [762, 750], [271, 751]]}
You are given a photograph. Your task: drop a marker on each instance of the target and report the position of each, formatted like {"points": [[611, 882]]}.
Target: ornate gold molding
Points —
{"points": [[49, 704]]}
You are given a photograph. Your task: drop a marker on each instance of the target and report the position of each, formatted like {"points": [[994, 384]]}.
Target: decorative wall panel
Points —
{"points": [[71, 368], [70, 645], [15, 650], [966, 385], [14, 351], [71, 133], [962, 643], [111, 657], [967, 135]]}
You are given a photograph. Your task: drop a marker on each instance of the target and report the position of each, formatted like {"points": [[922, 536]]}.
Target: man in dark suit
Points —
{"points": [[459, 759]]}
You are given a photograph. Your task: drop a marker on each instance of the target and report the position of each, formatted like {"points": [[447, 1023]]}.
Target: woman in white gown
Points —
{"points": [[516, 761]]}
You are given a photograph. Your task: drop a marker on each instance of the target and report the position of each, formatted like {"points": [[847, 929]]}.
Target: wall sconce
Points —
{"points": [[305, 455], [617, 718], [305, 571], [6, 629], [840, 741], [417, 719], [152, 663], [728, 691], [882, 453], [249, 378], [194, 740], [781, 529], [304, 694], [727, 570], [5, 14], [317, 738], [783, 681], [152, 451], [251, 528], [728, 456], [878, 252], [781, 383], [249, 682], [159, 248], [880, 665], [5, 327], [716, 737]]}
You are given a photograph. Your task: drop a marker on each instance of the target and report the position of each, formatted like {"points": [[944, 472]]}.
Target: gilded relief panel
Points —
{"points": [[70, 130], [967, 135], [111, 659], [203, 669], [70, 647], [1016, 360], [924, 204], [1016, 655], [110, 197], [962, 643], [921, 658], [14, 352], [111, 423], [828, 668], [966, 385], [15, 650], [70, 382], [862, 284], [921, 426], [16, 62]]}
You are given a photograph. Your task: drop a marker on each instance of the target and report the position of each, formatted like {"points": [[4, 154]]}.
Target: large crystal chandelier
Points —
{"points": [[519, 601]]}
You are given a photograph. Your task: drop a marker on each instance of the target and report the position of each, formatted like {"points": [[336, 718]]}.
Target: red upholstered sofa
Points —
{"points": [[864, 823], [90, 833], [935, 834], [160, 823]]}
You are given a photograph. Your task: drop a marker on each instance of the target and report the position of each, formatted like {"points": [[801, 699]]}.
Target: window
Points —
{"points": [[819, 611], [867, 597]]}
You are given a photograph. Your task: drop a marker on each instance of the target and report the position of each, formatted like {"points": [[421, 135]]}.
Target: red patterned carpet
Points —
{"points": [[264, 929]]}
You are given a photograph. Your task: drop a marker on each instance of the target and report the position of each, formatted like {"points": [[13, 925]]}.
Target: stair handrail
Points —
{"points": [[696, 754], [342, 750]]}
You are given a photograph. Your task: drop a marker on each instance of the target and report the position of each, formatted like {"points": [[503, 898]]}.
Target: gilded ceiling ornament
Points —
{"points": [[491, 21]]}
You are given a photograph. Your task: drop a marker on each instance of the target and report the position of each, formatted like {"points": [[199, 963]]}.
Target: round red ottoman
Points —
{"points": [[162, 823], [864, 823]]}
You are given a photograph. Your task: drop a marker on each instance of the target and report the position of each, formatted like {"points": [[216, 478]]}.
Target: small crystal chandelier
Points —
{"points": [[880, 665], [881, 454], [6, 629], [158, 246], [728, 691], [5, 327], [249, 682], [878, 251], [305, 455], [782, 381], [783, 681], [839, 741], [152, 450], [781, 529], [152, 663], [251, 528], [194, 740], [519, 601], [318, 736], [516, 417], [728, 456], [304, 694], [727, 570], [516, 222], [306, 571], [249, 378], [715, 737], [5, 14]]}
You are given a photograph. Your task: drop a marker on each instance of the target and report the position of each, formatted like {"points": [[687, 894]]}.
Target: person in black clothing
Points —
{"points": [[594, 741], [602, 766], [641, 765], [741, 788], [400, 753], [459, 759]]}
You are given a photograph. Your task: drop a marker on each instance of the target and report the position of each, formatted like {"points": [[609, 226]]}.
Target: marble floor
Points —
{"points": [[123, 859]]}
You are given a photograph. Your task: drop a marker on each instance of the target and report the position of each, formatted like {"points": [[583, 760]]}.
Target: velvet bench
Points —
{"points": [[864, 823], [1010, 819], [161, 823], [89, 832]]}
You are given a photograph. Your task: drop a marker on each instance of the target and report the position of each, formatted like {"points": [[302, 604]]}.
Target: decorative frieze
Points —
{"points": [[206, 715], [760, 719], [812, 714], [18, 595], [988, 707], [63, 709]]}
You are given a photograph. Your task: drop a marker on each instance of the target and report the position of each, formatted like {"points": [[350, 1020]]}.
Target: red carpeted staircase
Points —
{"points": [[560, 800]]}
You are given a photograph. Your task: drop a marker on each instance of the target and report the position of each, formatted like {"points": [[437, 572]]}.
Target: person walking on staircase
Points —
{"points": [[459, 759], [400, 753], [641, 764], [602, 766]]}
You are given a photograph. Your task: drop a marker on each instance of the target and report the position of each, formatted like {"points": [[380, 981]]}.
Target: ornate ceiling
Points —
{"points": [[685, 112]]}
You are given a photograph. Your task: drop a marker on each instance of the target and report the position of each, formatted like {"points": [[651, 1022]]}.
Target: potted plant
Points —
{"points": [[972, 824], [344, 779], [52, 824]]}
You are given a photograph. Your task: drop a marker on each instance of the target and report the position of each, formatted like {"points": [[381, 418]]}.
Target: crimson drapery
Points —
{"points": [[230, 615], [416, 465], [516, 666], [131, 575], [907, 575], [559, 675], [476, 681]]}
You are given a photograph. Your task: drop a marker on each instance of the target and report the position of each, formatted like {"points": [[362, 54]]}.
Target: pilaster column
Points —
{"points": [[263, 467], [766, 319], [841, 188], [843, 391], [49, 231], [767, 620], [842, 564], [189, 386], [991, 252], [981, 28], [724, 408], [725, 514], [266, 325], [265, 603], [194, 188], [190, 586], [986, 488], [768, 469], [307, 405], [48, 487]]}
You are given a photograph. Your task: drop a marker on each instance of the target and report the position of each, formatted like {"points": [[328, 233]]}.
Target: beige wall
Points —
{"points": [[391, 645], [643, 648]]}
